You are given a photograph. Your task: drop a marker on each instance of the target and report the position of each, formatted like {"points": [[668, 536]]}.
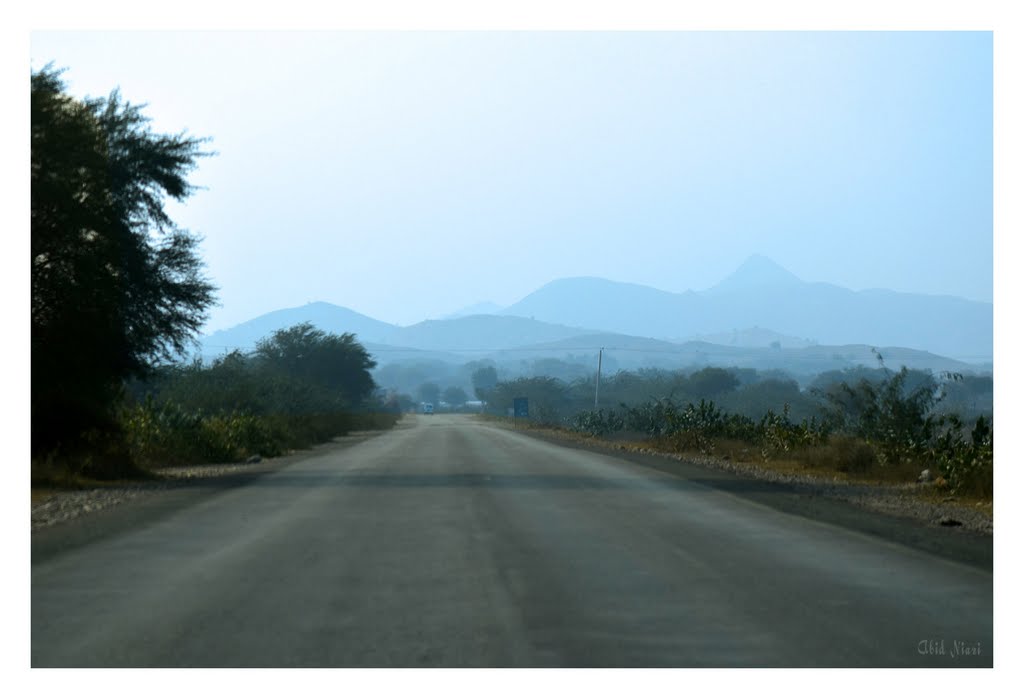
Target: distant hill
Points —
{"points": [[753, 337], [629, 353], [480, 332], [387, 354], [594, 341], [631, 309], [761, 293], [325, 316], [483, 308], [756, 272], [469, 335]]}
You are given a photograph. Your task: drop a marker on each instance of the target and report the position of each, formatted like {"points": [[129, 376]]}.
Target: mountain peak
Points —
{"points": [[757, 270]]}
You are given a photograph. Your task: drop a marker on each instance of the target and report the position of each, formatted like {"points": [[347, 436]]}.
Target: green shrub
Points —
{"points": [[872, 429], [777, 435], [596, 423], [895, 417], [167, 435], [966, 461]]}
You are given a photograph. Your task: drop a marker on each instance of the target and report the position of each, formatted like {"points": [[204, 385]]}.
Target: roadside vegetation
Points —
{"points": [[118, 294], [300, 387], [876, 425]]}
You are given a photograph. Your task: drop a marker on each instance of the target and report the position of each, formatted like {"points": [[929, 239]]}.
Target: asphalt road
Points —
{"points": [[448, 542]]}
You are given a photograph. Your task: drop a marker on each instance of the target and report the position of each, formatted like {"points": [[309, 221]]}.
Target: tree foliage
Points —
{"points": [[335, 364], [429, 392], [484, 381], [115, 284], [711, 382], [455, 396], [301, 386], [889, 413], [549, 399]]}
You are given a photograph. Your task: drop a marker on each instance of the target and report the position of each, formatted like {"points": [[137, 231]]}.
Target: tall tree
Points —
{"points": [[429, 392], [336, 364], [454, 396], [484, 380], [116, 285], [711, 382]]}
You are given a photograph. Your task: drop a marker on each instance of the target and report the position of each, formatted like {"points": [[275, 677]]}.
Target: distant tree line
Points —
{"points": [[869, 422], [744, 391]]}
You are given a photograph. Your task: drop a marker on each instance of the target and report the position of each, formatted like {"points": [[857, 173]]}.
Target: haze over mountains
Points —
{"points": [[762, 294], [761, 314]]}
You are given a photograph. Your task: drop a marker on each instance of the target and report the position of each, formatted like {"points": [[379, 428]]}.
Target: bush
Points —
{"points": [[776, 434], [889, 414], [868, 422], [596, 423], [881, 429], [167, 435], [966, 461]]}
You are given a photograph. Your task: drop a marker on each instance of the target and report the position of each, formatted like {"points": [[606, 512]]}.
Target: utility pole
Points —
{"points": [[597, 387]]}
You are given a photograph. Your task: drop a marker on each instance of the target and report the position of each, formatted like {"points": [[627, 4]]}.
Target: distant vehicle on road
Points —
{"points": [[428, 409]]}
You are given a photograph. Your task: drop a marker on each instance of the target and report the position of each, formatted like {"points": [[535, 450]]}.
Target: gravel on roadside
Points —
{"points": [[63, 505], [57, 506], [902, 500]]}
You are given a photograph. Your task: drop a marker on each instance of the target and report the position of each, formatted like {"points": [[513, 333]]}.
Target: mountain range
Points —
{"points": [[759, 316], [762, 294]]}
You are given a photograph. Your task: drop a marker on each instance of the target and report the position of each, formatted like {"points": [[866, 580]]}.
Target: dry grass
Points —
{"points": [[41, 495], [843, 460], [940, 494], [50, 476]]}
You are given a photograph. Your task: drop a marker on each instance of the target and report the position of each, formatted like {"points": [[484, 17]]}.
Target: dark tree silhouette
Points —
{"points": [[429, 392], [336, 364], [484, 380], [455, 396], [116, 285], [711, 382]]}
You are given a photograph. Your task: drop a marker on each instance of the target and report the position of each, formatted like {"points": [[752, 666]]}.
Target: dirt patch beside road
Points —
{"points": [[51, 507]]}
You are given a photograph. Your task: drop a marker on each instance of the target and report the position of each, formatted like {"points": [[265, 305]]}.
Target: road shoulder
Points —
{"points": [[76, 518], [833, 504]]}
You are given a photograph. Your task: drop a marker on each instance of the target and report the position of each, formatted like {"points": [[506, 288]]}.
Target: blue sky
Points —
{"points": [[408, 174]]}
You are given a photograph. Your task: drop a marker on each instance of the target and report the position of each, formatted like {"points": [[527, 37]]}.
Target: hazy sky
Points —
{"points": [[406, 175]]}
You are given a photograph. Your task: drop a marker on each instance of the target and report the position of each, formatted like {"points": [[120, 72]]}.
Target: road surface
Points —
{"points": [[450, 542]]}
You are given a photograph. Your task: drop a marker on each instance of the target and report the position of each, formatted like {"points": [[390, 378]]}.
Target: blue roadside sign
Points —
{"points": [[521, 407]]}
